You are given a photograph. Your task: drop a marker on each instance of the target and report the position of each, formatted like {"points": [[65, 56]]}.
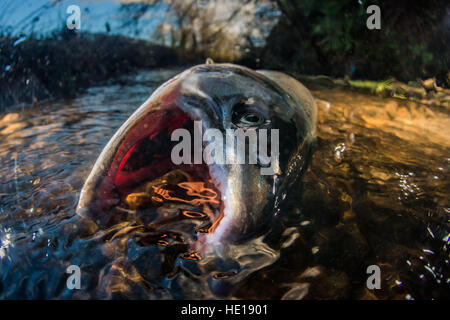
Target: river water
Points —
{"points": [[375, 193]]}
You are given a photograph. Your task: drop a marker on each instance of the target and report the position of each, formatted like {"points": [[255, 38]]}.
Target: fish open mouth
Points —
{"points": [[142, 175]]}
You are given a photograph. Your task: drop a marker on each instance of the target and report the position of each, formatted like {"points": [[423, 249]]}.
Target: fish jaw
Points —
{"points": [[245, 196]]}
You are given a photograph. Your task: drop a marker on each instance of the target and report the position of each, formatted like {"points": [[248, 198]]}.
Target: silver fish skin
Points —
{"points": [[217, 94]]}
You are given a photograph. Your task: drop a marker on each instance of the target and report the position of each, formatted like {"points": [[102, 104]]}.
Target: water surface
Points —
{"points": [[376, 193]]}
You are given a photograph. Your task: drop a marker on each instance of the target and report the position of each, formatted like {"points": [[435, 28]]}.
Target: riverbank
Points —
{"points": [[425, 92], [33, 70]]}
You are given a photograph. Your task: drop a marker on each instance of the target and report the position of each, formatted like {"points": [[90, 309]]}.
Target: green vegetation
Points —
{"points": [[331, 37]]}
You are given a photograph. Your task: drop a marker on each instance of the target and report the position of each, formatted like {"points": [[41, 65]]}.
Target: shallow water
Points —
{"points": [[376, 193]]}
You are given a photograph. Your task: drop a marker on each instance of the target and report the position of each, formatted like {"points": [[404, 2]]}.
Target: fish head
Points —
{"points": [[250, 136]]}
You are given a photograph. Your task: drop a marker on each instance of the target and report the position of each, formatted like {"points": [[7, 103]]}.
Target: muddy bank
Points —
{"points": [[33, 70], [426, 92]]}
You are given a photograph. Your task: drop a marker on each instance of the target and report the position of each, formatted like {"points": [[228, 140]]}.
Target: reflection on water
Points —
{"points": [[376, 192]]}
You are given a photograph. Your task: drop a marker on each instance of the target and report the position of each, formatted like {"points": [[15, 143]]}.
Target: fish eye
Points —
{"points": [[248, 119]]}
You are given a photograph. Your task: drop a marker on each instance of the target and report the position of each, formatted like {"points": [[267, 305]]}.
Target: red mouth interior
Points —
{"points": [[149, 156], [145, 155]]}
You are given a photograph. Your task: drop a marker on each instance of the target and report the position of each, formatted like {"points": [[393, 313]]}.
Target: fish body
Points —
{"points": [[221, 97]]}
